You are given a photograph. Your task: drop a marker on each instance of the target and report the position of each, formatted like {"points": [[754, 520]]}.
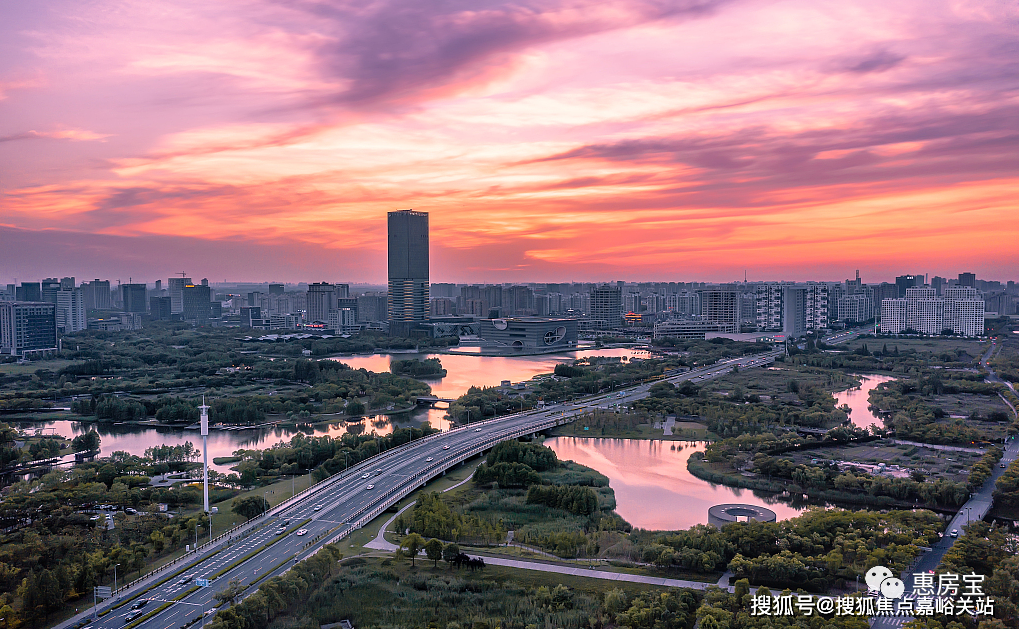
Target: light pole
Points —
{"points": [[197, 526], [115, 577]]}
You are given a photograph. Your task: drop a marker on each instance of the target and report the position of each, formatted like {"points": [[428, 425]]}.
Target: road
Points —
{"points": [[975, 509], [344, 502]]}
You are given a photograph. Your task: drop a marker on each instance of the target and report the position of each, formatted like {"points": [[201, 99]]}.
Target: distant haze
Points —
{"points": [[548, 140]]}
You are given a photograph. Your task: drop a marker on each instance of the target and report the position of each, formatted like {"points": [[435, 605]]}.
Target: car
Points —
{"points": [[131, 511], [140, 604], [130, 617], [954, 533], [185, 581], [378, 472], [370, 487], [445, 447], [94, 518], [286, 521], [1003, 465], [302, 532], [429, 460], [281, 530], [318, 507], [366, 475], [477, 430]]}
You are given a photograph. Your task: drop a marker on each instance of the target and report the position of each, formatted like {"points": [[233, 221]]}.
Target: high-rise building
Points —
{"points": [[276, 289], [27, 327], [721, 307], [196, 303], [968, 279], [606, 306], [71, 310], [50, 287], [372, 307], [893, 316], [29, 291], [908, 281], [925, 311], [321, 301], [175, 287], [96, 295], [794, 310], [132, 297], [408, 270], [159, 308]]}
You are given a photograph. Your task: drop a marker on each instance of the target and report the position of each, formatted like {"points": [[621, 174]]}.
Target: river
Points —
{"points": [[856, 398], [463, 371], [653, 488]]}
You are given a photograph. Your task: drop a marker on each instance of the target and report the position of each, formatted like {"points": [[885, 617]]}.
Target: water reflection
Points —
{"points": [[136, 439], [464, 371], [653, 488], [860, 414]]}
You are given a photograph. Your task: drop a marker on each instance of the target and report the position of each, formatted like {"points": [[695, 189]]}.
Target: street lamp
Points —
{"points": [[115, 576], [197, 526]]}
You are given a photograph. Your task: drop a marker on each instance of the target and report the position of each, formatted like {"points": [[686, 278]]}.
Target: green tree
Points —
{"points": [[449, 554], [251, 506], [412, 544], [434, 550], [87, 442]]}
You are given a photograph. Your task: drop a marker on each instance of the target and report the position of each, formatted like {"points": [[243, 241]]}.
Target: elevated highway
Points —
{"points": [[333, 508]]}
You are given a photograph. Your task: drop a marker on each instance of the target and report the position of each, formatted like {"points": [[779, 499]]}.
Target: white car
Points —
{"points": [[281, 530], [477, 430], [429, 460], [445, 447], [318, 507], [302, 532], [370, 487], [366, 475], [955, 533]]}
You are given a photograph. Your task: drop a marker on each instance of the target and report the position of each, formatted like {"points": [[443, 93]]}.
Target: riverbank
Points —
{"points": [[792, 493]]}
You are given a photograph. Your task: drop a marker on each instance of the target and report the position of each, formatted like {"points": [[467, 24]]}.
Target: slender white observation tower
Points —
{"points": [[205, 449]]}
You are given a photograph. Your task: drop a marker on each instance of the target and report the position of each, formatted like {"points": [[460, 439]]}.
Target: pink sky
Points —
{"points": [[549, 140]]}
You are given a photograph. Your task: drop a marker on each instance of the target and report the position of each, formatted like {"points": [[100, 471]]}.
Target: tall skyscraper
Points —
{"points": [[607, 306], [321, 301], [27, 327], [132, 296], [721, 307], [96, 294], [176, 289], [71, 310], [408, 270]]}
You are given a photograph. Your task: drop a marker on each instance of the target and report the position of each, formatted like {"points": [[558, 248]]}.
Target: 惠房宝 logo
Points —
{"points": [[881, 579]]}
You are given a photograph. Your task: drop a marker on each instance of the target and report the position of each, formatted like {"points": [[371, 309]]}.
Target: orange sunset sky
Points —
{"points": [[548, 139]]}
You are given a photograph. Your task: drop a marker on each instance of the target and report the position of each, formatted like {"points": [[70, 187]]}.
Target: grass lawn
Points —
{"points": [[775, 381], [14, 369], [928, 345]]}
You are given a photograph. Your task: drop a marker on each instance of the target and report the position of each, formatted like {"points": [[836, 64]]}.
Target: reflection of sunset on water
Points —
{"points": [[653, 488]]}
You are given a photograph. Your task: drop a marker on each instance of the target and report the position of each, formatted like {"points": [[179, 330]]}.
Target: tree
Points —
{"points": [[449, 554], [251, 506], [412, 544], [434, 550], [230, 593], [87, 442]]}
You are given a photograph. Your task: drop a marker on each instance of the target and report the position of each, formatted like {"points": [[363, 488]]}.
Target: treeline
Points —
{"points": [[432, 517], [578, 500], [429, 367], [987, 550], [818, 550], [1006, 488], [507, 475]]}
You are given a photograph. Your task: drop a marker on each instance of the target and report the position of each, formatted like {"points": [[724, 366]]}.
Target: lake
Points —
{"points": [[653, 488], [860, 413], [463, 371]]}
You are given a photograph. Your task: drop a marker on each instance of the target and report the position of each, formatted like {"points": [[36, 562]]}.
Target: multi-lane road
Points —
{"points": [[330, 510]]}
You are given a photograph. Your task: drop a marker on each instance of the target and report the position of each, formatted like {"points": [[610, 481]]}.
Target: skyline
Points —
{"points": [[548, 141]]}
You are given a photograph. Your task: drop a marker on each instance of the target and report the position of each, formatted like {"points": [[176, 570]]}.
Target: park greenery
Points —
{"points": [[427, 368], [151, 374]]}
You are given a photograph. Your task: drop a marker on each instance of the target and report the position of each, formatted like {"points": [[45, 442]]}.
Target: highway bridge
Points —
{"points": [[333, 508]]}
